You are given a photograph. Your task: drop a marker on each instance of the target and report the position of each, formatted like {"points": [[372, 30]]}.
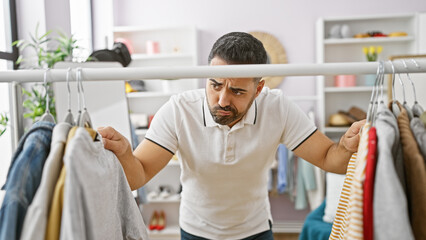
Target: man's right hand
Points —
{"points": [[115, 142], [142, 164]]}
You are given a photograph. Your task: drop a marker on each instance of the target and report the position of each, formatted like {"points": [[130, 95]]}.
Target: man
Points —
{"points": [[227, 136]]}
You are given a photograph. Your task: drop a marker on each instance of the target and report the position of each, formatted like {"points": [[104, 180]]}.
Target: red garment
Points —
{"points": [[370, 173]]}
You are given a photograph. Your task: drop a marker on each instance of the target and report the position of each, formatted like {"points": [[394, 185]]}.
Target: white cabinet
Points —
{"points": [[152, 47], [335, 49], [166, 46]]}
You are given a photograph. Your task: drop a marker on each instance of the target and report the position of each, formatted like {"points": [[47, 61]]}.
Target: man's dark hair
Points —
{"points": [[239, 48]]}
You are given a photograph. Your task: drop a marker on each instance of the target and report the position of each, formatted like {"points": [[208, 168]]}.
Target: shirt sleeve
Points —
{"points": [[297, 126], [163, 128]]}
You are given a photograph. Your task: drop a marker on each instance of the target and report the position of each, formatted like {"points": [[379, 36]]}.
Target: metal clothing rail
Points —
{"points": [[231, 71]]}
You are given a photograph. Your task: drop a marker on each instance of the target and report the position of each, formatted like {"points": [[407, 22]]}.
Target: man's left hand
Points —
{"points": [[351, 138]]}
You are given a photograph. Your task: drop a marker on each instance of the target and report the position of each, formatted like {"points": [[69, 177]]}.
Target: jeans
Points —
{"points": [[23, 178], [266, 235]]}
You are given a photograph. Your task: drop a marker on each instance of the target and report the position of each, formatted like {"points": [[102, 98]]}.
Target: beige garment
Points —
{"points": [[340, 224], [415, 176], [53, 227], [355, 211], [348, 223]]}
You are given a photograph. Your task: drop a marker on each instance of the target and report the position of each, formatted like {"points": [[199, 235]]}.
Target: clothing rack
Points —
{"points": [[16, 77], [232, 71]]}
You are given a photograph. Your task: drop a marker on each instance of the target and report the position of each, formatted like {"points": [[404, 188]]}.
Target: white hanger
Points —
{"points": [[47, 116], [417, 109], [404, 103], [373, 105], [69, 117], [395, 108], [84, 118]]}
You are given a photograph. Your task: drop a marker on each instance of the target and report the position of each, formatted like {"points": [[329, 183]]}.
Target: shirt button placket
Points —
{"points": [[230, 147]]}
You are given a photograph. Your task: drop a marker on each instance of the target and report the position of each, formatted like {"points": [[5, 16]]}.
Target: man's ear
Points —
{"points": [[260, 87]]}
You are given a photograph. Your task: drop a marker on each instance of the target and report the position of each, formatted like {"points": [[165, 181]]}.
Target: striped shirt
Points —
{"points": [[348, 223], [339, 224]]}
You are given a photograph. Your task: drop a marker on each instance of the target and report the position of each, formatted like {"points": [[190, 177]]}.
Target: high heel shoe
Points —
{"points": [[153, 223], [161, 221]]}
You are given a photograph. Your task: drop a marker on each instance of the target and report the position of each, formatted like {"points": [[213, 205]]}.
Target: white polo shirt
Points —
{"points": [[225, 170]]}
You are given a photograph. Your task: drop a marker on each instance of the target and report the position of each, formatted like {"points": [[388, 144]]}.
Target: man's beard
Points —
{"points": [[225, 119]]}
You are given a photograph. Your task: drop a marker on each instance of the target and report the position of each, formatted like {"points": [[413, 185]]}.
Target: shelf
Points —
{"points": [[348, 89], [161, 56], [149, 94], [336, 129], [303, 98], [172, 199], [141, 132], [170, 232], [339, 19], [338, 41], [126, 29]]}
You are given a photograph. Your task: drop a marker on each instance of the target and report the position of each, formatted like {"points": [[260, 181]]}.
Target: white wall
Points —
{"points": [[292, 22]]}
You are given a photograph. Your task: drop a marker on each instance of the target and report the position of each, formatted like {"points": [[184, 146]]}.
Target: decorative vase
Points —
{"points": [[370, 79]]}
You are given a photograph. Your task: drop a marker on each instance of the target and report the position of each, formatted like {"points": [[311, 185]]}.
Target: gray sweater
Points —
{"points": [[390, 204]]}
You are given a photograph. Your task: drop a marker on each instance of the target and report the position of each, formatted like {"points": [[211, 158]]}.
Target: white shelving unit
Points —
{"points": [[331, 98], [177, 46]]}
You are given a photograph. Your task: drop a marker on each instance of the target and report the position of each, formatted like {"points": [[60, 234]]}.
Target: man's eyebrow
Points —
{"points": [[215, 82], [237, 89]]}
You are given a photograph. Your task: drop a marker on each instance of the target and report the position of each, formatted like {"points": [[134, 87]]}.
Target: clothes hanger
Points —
{"points": [[373, 100], [84, 119], [69, 117], [47, 116], [404, 103], [417, 109], [380, 86], [395, 109]]}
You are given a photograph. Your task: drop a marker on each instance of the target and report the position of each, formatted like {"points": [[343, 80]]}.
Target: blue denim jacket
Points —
{"points": [[23, 178]]}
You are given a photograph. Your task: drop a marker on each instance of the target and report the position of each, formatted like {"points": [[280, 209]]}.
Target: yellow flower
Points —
{"points": [[365, 50], [372, 49], [379, 49]]}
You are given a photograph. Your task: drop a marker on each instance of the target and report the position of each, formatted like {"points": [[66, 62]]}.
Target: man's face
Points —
{"points": [[230, 98]]}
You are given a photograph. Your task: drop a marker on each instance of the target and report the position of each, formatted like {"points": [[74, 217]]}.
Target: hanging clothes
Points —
{"points": [[54, 222], [282, 168], [36, 219], [355, 217], [370, 171], [415, 173], [98, 202], [305, 182], [24, 178], [291, 170], [389, 202], [340, 221], [316, 195], [419, 132]]}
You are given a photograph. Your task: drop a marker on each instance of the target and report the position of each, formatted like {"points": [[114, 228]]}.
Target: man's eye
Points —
{"points": [[216, 86], [236, 92]]}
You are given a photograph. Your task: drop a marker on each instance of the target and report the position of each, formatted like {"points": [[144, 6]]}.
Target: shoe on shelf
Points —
{"points": [[153, 223], [161, 221], [165, 192], [152, 195]]}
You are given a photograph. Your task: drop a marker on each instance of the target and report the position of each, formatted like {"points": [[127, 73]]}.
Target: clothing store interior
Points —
{"points": [[218, 119]]}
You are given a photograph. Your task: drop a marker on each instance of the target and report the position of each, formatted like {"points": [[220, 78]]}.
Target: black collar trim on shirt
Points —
{"points": [[204, 115], [255, 112]]}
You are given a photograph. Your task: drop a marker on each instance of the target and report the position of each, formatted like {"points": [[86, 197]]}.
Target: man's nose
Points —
{"points": [[224, 99]]}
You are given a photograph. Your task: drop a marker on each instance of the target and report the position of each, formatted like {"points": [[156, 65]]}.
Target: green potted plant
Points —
{"points": [[371, 54], [3, 122], [35, 104]]}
